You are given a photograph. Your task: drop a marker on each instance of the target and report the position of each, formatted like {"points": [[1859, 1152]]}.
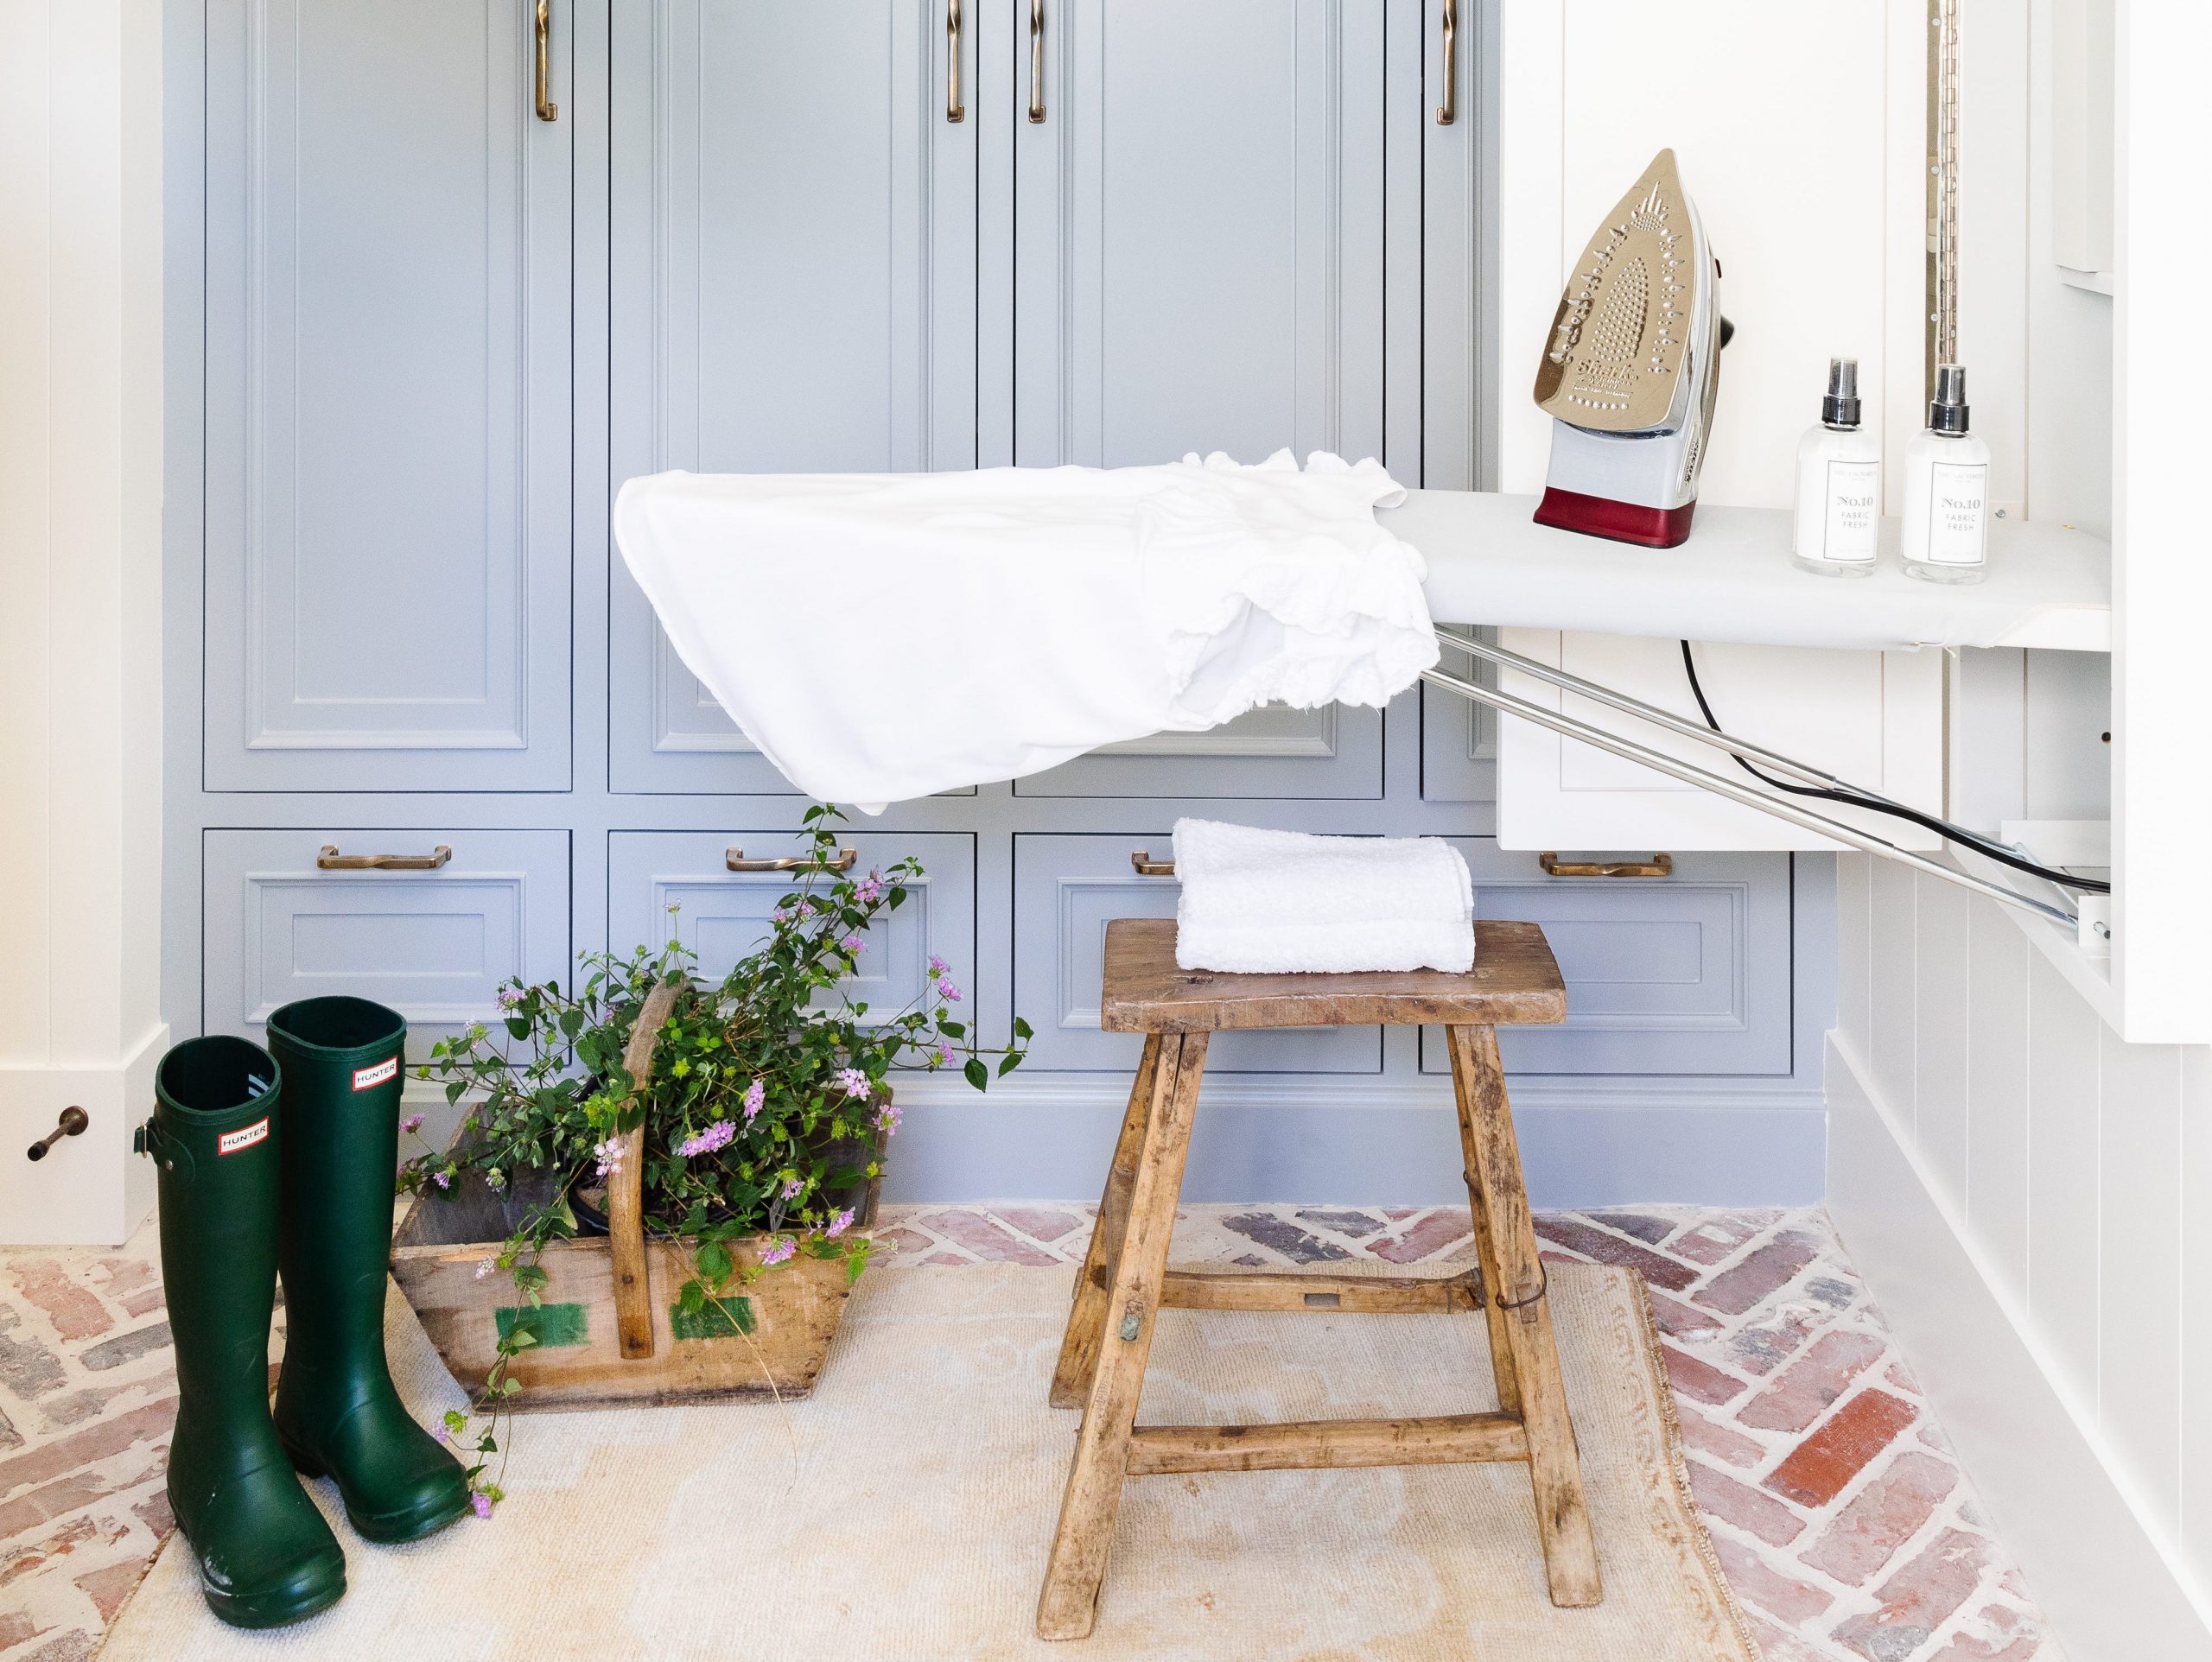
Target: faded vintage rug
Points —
{"points": [[903, 1513]]}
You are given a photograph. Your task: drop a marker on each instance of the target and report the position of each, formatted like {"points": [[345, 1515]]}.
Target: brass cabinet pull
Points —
{"points": [[1448, 111], [331, 861], [71, 1123], [955, 108], [1657, 865], [736, 861], [1037, 61], [547, 110], [1145, 865]]}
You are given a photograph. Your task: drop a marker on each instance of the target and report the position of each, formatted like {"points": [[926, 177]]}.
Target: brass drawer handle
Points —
{"points": [[547, 110], [1145, 865], [1036, 61], [331, 861], [1448, 111], [956, 108], [1658, 866], [736, 861]]}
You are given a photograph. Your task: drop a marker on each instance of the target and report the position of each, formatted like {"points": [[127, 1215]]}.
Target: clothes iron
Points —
{"points": [[1630, 368]]}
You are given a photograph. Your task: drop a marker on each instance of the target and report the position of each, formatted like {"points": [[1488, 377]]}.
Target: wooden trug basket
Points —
{"points": [[609, 1331]]}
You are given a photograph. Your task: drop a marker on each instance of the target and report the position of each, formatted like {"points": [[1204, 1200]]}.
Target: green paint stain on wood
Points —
{"points": [[551, 1325], [721, 1320]]}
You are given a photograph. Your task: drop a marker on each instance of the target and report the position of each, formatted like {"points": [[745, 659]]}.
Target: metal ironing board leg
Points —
{"points": [[1720, 785]]}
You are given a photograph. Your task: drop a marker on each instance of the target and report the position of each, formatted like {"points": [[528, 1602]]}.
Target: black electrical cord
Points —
{"points": [[1851, 798]]}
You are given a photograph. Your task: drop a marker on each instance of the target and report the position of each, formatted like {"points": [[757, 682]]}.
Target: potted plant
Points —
{"points": [[661, 1189]]}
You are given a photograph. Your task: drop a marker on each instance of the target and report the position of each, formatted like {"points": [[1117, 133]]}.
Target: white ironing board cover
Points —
{"points": [[884, 636]]}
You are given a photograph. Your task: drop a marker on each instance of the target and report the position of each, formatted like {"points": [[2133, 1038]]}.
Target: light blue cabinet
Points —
{"points": [[434, 944], [387, 400], [666, 885], [793, 290]]}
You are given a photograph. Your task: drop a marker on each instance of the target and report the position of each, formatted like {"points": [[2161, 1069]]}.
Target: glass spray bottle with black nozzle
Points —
{"points": [[1947, 491], [1838, 484]]}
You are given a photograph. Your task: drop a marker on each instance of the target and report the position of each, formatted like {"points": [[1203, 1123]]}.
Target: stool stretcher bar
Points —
{"points": [[1719, 784]]}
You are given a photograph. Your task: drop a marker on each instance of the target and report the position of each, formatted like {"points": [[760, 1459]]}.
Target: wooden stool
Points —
{"points": [[1125, 1280]]}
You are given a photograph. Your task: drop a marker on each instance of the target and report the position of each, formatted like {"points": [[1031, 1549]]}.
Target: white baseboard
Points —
{"points": [[2106, 1582]]}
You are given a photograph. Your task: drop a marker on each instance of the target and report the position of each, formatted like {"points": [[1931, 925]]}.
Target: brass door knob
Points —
{"points": [[71, 1123]]}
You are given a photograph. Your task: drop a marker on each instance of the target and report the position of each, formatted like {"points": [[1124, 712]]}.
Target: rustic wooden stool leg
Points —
{"points": [[1079, 1349], [1068, 1605], [1555, 1467], [1501, 1347]]}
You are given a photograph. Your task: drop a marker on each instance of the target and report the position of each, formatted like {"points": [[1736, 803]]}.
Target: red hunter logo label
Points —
{"points": [[376, 1074], [245, 1137]]}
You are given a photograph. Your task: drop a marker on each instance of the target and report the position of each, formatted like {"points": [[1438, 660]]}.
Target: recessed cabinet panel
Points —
{"points": [[1066, 889], [387, 400], [793, 291], [1683, 974], [677, 886], [434, 944]]}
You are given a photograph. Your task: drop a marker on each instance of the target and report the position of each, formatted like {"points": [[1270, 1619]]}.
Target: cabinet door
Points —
{"points": [[433, 944], [793, 291], [1872, 718], [1197, 239], [387, 398]]}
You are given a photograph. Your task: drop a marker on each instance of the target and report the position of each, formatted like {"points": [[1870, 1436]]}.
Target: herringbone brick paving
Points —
{"points": [[1840, 1516]]}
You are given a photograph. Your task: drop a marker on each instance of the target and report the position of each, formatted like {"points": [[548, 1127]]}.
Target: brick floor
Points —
{"points": [[1839, 1515]]}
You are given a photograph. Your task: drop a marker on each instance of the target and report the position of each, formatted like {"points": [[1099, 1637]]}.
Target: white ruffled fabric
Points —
{"points": [[1263, 902], [883, 637]]}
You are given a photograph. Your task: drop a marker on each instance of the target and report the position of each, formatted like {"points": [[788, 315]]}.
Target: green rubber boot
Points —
{"points": [[266, 1556], [336, 1409]]}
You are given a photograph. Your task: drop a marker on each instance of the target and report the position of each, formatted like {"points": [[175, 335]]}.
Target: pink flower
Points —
{"points": [[938, 966], [413, 1122], [869, 889], [839, 1224], [706, 1142], [852, 1082], [755, 1094], [794, 1189], [854, 944], [609, 1156], [509, 998], [949, 992], [887, 1119], [481, 1503], [943, 1055], [444, 1179], [778, 1250]]}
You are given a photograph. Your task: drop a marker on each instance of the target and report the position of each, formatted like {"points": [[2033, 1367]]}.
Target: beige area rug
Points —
{"points": [[903, 1513]]}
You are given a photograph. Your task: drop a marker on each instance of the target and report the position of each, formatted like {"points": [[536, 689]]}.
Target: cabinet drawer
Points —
{"points": [[1683, 975], [721, 914], [433, 945], [1065, 890]]}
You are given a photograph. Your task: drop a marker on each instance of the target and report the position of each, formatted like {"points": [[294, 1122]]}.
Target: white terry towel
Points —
{"points": [[1265, 902], [884, 636]]}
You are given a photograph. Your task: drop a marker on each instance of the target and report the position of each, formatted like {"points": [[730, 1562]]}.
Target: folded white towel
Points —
{"points": [[1266, 902]]}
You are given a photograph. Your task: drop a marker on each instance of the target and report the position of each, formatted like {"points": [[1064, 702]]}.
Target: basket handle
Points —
{"points": [[626, 1223]]}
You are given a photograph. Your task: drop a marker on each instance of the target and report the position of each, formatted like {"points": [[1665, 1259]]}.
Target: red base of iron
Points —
{"points": [[1620, 522]]}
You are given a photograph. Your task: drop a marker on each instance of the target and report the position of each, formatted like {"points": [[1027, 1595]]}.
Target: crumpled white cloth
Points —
{"points": [[1264, 903], [884, 636]]}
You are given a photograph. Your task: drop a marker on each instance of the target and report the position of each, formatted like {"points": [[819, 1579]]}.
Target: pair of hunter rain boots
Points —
{"points": [[282, 1162]]}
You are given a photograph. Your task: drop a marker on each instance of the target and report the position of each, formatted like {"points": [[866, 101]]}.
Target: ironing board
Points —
{"points": [[2049, 586]]}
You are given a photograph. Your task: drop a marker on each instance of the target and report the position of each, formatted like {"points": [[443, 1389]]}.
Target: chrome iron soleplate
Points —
{"points": [[1614, 359]]}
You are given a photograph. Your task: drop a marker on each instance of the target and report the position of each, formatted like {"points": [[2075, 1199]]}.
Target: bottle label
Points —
{"points": [[1855, 495], [1958, 512]]}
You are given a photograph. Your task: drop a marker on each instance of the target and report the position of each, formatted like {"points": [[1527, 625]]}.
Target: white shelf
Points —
{"points": [[1488, 562]]}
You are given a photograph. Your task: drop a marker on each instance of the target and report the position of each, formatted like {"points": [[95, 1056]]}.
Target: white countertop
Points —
{"points": [[1490, 563]]}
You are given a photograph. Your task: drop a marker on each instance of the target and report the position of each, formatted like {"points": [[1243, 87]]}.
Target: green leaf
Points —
{"points": [[1022, 1030], [978, 1074], [714, 1260]]}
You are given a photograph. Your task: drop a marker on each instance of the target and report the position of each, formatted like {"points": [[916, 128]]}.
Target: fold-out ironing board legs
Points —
{"points": [[1125, 1281]]}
